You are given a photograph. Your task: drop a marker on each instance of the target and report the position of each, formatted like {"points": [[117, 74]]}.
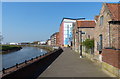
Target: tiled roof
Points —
{"points": [[96, 17], [86, 23], [114, 9]]}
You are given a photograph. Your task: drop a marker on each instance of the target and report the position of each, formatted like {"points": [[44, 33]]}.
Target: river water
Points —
{"points": [[26, 53]]}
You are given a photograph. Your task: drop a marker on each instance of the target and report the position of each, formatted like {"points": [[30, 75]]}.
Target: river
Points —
{"points": [[26, 53]]}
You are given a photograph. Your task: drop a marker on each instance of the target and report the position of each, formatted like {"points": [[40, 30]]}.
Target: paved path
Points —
{"points": [[68, 64]]}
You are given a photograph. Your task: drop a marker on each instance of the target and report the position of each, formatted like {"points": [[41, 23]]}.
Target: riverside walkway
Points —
{"points": [[68, 64]]}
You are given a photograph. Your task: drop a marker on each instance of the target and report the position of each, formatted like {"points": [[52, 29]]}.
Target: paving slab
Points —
{"points": [[69, 64]]}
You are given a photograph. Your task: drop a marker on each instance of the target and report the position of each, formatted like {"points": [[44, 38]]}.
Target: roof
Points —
{"points": [[114, 9], [96, 17], [86, 23], [73, 19], [54, 34]]}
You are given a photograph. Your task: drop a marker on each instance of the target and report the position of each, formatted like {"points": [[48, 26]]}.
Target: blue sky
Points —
{"points": [[36, 21]]}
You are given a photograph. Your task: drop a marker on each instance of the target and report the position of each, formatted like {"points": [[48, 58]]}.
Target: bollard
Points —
{"points": [[25, 62], [43, 54], [16, 65], [3, 70], [36, 57], [40, 55], [31, 58]]}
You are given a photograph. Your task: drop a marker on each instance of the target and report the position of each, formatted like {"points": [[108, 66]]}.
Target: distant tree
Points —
{"points": [[1, 38], [36, 42]]}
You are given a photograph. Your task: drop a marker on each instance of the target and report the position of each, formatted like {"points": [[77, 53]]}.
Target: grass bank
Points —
{"points": [[47, 48], [9, 48]]}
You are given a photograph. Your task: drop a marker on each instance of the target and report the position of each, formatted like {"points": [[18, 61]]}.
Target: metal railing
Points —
{"points": [[20, 65]]}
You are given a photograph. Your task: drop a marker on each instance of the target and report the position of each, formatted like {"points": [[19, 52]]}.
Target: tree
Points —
{"points": [[36, 42], [89, 44]]}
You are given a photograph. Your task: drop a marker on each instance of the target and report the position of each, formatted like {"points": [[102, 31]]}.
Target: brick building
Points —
{"points": [[65, 32], [107, 29], [107, 35], [57, 39], [54, 38], [49, 42], [82, 26]]}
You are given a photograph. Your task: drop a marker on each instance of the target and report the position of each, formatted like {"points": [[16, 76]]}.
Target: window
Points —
{"points": [[101, 20], [99, 44], [67, 26], [100, 39]]}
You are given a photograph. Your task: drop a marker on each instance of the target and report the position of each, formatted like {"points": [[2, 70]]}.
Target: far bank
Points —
{"points": [[9, 48]]}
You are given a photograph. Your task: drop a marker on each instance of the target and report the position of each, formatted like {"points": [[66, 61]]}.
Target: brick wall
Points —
{"points": [[89, 33], [119, 36], [61, 34], [102, 29], [112, 57], [114, 35], [57, 39], [75, 38]]}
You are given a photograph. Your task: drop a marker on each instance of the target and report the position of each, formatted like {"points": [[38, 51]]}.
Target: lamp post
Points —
{"points": [[80, 41]]}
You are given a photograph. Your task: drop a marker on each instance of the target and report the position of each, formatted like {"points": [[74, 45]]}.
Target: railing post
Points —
{"points": [[31, 58], [16, 65], [40, 56], [3, 70], [25, 62], [36, 57]]}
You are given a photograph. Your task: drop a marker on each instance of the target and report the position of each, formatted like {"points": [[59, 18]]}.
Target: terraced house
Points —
{"points": [[107, 37]]}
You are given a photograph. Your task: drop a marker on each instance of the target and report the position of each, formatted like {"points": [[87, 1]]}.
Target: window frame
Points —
{"points": [[101, 20]]}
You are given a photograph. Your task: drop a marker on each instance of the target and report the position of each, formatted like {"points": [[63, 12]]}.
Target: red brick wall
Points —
{"points": [[111, 57], [61, 32], [119, 36], [57, 39]]}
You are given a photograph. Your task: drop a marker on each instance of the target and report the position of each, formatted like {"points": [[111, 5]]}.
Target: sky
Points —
{"points": [[60, 0], [37, 21]]}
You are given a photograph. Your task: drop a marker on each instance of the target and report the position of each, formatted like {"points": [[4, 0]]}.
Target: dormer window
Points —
{"points": [[101, 20]]}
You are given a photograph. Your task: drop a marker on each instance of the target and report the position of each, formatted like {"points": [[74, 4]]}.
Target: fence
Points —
{"points": [[30, 70]]}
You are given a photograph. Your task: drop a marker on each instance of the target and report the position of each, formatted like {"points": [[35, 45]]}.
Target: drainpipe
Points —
{"points": [[109, 35], [78, 41]]}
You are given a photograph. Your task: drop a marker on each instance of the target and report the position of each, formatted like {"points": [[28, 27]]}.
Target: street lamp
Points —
{"points": [[80, 41]]}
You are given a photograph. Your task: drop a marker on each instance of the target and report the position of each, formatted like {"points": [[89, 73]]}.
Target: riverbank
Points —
{"points": [[44, 47], [25, 54], [9, 48], [47, 48], [31, 69]]}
